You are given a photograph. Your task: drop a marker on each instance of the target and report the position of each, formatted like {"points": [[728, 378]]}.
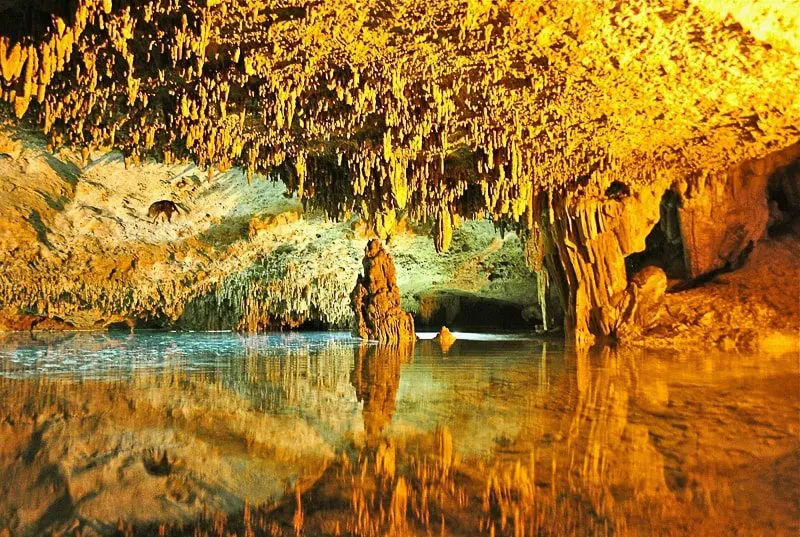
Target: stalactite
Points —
{"points": [[423, 134], [443, 232], [541, 293]]}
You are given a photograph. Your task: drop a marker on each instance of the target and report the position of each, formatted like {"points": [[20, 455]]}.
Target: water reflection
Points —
{"points": [[317, 434], [376, 378]]}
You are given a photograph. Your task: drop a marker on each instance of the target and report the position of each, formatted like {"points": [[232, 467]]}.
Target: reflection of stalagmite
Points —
{"points": [[376, 377]]}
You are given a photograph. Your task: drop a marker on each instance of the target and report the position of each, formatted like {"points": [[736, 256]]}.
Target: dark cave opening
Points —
{"points": [[618, 190], [314, 325], [118, 326], [466, 311], [33, 18], [783, 198], [663, 246]]}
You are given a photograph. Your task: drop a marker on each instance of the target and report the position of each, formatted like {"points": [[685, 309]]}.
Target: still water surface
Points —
{"points": [[315, 434]]}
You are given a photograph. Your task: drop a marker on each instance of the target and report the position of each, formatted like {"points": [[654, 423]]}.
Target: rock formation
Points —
{"points": [[721, 217], [583, 238], [644, 296], [566, 125], [445, 338], [77, 250], [376, 300]]}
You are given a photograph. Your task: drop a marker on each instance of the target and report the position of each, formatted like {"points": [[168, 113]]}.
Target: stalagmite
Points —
{"points": [[376, 300], [445, 338]]}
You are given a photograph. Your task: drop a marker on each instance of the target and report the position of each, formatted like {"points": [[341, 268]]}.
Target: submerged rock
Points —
{"points": [[376, 300]]}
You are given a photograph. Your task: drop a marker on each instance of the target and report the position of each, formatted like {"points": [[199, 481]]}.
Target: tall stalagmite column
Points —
{"points": [[376, 300], [586, 242]]}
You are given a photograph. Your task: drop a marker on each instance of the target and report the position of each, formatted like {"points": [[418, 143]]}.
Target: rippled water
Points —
{"points": [[315, 434]]}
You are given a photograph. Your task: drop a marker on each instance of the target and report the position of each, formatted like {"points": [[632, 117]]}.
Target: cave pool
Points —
{"points": [[314, 433]]}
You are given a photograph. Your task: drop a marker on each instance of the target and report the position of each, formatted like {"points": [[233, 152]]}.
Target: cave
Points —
{"points": [[228, 99], [120, 326], [21, 19], [663, 245], [361, 268]]}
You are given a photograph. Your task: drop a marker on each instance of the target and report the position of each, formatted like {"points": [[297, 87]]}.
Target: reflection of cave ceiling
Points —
{"points": [[427, 105]]}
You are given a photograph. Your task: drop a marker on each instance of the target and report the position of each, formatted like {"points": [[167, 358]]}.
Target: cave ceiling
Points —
{"points": [[432, 107]]}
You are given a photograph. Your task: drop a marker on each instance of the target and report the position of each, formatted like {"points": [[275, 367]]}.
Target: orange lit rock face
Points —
{"points": [[376, 300], [584, 238], [722, 216]]}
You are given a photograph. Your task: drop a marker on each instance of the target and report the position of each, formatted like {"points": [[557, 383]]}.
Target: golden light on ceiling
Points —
{"points": [[438, 108]]}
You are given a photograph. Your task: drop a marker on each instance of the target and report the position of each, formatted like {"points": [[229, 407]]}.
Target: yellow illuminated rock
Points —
{"points": [[445, 338]]}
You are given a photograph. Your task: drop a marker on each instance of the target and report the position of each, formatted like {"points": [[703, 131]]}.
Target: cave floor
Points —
{"points": [[313, 433], [754, 307]]}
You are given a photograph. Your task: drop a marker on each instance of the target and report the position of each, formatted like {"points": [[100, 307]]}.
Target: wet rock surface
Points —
{"points": [[722, 217], [445, 109]]}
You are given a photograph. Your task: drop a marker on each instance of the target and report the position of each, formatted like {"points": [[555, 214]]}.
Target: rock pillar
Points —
{"points": [[376, 300], [584, 242]]}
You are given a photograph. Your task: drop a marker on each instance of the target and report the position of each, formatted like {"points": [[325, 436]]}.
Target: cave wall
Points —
{"points": [[784, 193], [585, 238], [721, 216], [78, 251], [441, 109]]}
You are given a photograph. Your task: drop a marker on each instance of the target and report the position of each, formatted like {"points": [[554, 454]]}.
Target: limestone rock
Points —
{"points": [[376, 300], [445, 338], [721, 217], [10, 148], [391, 115], [589, 238], [646, 291], [585, 238], [259, 225], [481, 114]]}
